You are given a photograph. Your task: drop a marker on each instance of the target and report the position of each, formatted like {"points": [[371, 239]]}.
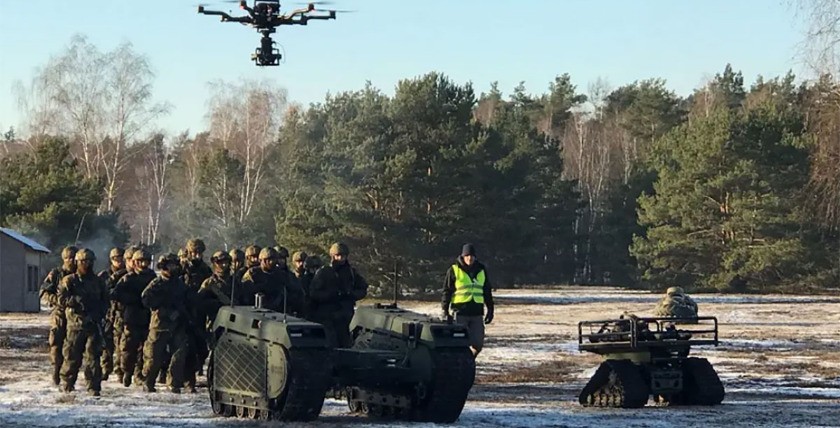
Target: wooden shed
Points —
{"points": [[21, 272]]}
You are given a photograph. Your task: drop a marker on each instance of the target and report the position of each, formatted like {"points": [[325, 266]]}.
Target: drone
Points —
{"points": [[265, 17]]}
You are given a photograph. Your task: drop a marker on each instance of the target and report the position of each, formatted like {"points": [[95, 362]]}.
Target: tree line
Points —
{"points": [[733, 187]]}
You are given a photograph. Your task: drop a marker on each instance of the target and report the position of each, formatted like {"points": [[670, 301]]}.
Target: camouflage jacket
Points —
{"points": [[84, 298], [128, 292], [167, 298], [49, 289], [195, 273], [216, 292], [275, 285], [337, 288]]}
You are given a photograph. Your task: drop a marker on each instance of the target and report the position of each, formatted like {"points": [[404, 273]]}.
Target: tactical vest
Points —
{"points": [[466, 288]]}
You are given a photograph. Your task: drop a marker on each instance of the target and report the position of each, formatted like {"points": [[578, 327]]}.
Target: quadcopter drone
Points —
{"points": [[265, 17]]}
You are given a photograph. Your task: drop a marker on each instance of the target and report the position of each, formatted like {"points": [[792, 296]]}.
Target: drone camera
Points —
{"points": [[201, 9]]}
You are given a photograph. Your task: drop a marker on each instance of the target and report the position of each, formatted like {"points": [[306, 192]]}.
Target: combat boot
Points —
{"points": [[56, 378], [126, 379], [175, 389], [149, 388], [93, 393]]}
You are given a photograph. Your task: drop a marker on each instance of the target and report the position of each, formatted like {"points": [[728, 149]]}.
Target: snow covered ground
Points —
{"points": [[778, 359]]}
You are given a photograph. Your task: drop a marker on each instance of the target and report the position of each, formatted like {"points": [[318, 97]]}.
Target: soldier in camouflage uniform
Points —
{"points": [[333, 293], [136, 316], [85, 299], [279, 287], [676, 303], [196, 272], [111, 275], [217, 291], [58, 322], [167, 297], [119, 312], [282, 257], [252, 256], [237, 263]]}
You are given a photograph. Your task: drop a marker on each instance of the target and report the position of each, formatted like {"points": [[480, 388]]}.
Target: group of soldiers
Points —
{"points": [[150, 327]]}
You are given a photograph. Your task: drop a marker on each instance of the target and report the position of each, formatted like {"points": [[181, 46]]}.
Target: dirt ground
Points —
{"points": [[778, 360]]}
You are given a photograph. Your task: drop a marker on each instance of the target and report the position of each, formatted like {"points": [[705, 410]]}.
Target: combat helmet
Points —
{"points": [[312, 262], [85, 255], [129, 252], [220, 256], [282, 252], [268, 253], [116, 252], [673, 291], [141, 254], [237, 255], [252, 250], [196, 246], [340, 248], [299, 256], [69, 252], [167, 259]]}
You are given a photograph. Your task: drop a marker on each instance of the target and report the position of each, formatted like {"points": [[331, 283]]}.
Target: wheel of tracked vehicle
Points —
{"points": [[218, 407], [616, 383], [452, 378], [307, 379], [701, 383]]}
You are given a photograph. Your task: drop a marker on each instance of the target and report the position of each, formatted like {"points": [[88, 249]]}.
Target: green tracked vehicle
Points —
{"points": [[650, 356], [266, 365], [405, 365], [269, 366]]}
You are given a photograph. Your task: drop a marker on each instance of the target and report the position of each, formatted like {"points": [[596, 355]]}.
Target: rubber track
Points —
{"points": [[701, 384], [306, 386], [616, 383], [454, 374]]}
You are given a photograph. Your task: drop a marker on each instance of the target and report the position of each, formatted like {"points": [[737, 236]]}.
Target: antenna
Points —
{"points": [[233, 282], [285, 297], [79, 232], [396, 281]]}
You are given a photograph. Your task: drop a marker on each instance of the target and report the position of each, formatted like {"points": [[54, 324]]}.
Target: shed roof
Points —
{"points": [[24, 240]]}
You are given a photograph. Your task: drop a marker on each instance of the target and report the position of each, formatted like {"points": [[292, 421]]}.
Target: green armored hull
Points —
{"points": [[265, 365], [269, 366], [406, 365]]}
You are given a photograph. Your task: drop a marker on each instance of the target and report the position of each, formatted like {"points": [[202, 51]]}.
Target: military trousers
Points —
{"points": [[83, 345], [58, 331], [155, 353], [131, 351]]}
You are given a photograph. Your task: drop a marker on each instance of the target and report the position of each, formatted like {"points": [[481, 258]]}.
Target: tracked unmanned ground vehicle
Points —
{"points": [[270, 366], [650, 356]]}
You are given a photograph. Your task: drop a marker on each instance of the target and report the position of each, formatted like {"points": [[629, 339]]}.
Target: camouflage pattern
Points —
{"points": [[167, 297], [110, 276], [279, 287], [85, 299], [136, 316], [299, 256], [333, 293], [676, 303], [119, 325], [196, 272], [58, 323]]}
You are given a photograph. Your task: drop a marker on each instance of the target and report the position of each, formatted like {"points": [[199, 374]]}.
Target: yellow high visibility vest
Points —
{"points": [[468, 289]]}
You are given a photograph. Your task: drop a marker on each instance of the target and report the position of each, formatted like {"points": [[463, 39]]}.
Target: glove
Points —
{"points": [[489, 317]]}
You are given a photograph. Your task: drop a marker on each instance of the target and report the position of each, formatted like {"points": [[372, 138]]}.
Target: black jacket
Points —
{"points": [[469, 308]]}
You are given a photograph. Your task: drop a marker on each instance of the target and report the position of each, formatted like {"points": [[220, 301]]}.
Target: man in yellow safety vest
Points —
{"points": [[466, 290]]}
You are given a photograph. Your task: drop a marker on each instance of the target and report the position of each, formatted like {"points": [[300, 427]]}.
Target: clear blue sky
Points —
{"points": [[481, 41]]}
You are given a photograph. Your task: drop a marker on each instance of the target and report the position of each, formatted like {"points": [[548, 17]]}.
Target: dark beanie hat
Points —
{"points": [[468, 250]]}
